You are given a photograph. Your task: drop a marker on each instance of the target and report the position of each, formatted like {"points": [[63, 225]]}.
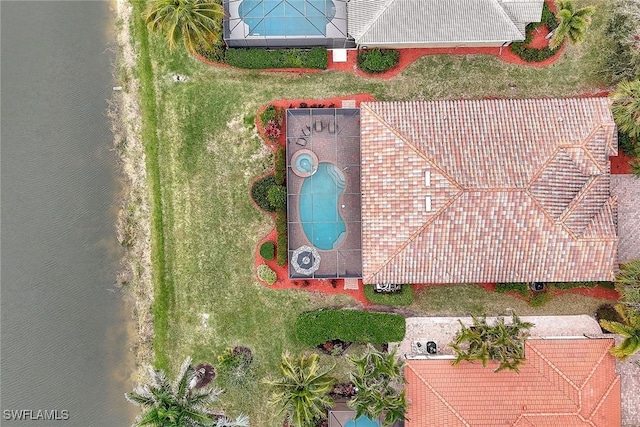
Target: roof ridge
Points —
{"points": [[557, 370], [579, 197], [604, 397], [439, 396], [608, 204], [508, 15], [433, 164], [586, 140], [375, 18], [411, 238], [596, 366]]}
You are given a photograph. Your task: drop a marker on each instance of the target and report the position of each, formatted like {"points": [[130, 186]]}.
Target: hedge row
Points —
{"points": [[404, 297], [530, 54], [281, 230], [317, 327], [378, 60], [280, 165], [281, 58]]}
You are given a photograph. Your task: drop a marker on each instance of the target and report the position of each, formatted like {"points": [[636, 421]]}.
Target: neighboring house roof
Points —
{"points": [[439, 21], [487, 191], [564, 382]]}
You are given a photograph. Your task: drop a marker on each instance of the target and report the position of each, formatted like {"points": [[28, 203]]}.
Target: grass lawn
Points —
{"points": [[201, 159]]}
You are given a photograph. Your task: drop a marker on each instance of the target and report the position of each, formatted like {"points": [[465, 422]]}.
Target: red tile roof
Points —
{"points": [[564, 382], [518, 192]]}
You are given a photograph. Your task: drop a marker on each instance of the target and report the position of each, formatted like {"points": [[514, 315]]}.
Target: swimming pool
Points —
{"points": [[287, 17], [363, 421], [321, 221]]}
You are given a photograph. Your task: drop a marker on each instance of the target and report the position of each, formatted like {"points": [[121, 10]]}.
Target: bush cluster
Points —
{"points": [[260, 192], [280, 165], [317, 327], [378, 60], [530, 54], [268, 250], [281, 230], [216, 52], [404, 297], [278, 197], [627, 145], [266, 274], [316, 57]]}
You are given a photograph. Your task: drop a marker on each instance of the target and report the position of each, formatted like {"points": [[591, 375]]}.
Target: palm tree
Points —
{"points": [[500, 342], [573, 23], [302, 392], [197, 22], [631, 333], [378, 377], [626, 108], [179, 403]]}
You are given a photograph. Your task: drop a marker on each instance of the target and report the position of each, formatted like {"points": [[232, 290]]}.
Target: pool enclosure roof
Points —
{"points": [[286, 23], [330, 192]]}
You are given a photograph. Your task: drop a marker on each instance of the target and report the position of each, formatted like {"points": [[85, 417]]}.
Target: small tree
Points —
{"points": [[628, 284], [302, 392], [626, 108], [573, 23], [629, 330], [179, 403], [196, 22], [378, 377], [500, 342]]}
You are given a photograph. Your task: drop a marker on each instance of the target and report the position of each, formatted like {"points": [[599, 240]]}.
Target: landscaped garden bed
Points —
{"points": [[537, 50]]}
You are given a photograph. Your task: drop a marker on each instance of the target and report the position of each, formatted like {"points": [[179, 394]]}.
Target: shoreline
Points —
{"points": [[133, 226]]}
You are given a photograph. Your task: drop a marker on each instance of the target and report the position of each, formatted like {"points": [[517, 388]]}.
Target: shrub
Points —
{"points": [[316, 57], [272, 130], [268, 250], [277, 196], [280, 165], [281, 230], [404, 297], [627, 145], [234, 366], [266, 274], [571, 285], [260, 192], [378, 60], [530, 54], [317, 327], [216, 52], [540, 298], [521, 288], [268, 114]]}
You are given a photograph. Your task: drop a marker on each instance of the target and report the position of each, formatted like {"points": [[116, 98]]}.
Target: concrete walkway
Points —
{"points": [[442, 330]]}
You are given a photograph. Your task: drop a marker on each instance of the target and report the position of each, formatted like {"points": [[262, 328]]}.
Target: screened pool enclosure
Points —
{"points": [[286, 23]]}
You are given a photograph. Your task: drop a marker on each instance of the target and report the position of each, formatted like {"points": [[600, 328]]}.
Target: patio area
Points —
{"points": [[323, 189]]}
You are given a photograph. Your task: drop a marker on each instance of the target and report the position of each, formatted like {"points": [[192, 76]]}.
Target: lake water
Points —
{"points": [[64, 340]]}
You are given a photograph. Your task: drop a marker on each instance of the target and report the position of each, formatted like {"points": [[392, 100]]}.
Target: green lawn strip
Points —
{"points": [[404, 297], [316, 327], [468, 299], [163, 287]]}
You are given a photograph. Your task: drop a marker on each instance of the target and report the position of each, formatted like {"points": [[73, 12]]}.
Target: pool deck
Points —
{"points": [[339, 145]]}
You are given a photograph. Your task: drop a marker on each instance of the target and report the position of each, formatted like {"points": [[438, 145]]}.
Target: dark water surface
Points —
{"points": [[64, 342]]}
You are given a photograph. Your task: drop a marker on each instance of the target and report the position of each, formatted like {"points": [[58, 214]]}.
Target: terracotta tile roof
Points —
{"points": [[487, 190], [564, 382]]}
